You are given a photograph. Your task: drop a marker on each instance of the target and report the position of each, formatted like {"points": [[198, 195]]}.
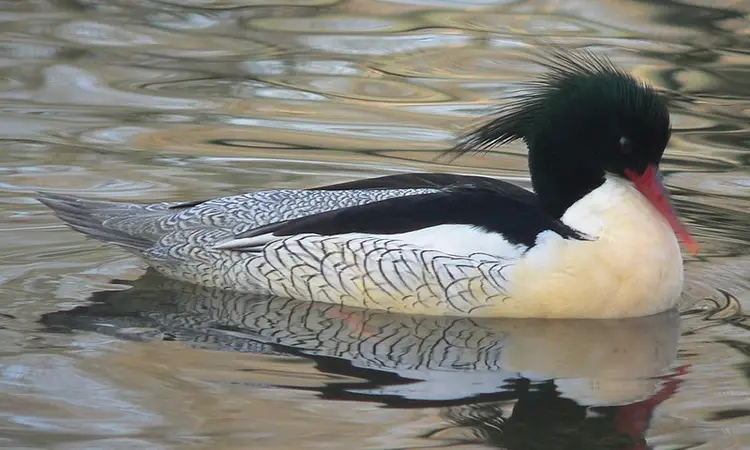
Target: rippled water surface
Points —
{"points": [[169, 100]]}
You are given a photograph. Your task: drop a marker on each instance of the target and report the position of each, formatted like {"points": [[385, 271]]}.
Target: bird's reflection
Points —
{"points": [[509, 383]]}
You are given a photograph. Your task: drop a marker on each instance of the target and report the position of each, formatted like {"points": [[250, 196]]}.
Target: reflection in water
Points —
{"points": [[543, 419], [514, 383]]}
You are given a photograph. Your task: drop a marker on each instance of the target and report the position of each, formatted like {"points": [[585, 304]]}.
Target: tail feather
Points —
{"points": [[90, 218]]}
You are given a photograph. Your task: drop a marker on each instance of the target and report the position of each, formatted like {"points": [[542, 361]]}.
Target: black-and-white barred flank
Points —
{"points": [[374, 271]]}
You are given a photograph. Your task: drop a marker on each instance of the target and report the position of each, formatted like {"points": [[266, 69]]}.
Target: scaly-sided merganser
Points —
{"points": [[597, 240]]}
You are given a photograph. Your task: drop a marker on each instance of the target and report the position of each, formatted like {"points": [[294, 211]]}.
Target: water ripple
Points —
{"points": [[345, 24]]}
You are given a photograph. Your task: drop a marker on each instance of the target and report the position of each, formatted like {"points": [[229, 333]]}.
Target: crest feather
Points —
{"points": [[511, 120]]}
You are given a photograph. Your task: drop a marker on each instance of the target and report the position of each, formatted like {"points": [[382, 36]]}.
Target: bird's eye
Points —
{"points": [[625, 146]]}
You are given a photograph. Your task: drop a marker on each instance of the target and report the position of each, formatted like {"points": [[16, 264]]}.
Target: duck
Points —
{"points": [[598, 238]]}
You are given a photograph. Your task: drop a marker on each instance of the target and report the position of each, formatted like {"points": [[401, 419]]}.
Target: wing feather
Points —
{"points": [[484, 207]]}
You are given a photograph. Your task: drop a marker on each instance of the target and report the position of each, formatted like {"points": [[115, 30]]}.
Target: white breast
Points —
{"points": [[632, 266]]}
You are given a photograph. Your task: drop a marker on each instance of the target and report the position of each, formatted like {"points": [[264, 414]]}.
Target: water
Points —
{"points": [[161, 100]]}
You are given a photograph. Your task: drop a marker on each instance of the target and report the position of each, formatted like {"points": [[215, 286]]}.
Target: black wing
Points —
{"points": [[432, 181], [484, 207], [415, 180]]}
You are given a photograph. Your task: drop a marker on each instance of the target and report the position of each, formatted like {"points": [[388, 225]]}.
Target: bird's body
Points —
{"points": [[604, 246]]}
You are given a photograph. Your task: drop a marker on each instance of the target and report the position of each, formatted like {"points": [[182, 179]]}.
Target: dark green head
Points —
{"points": [[581, 120]]}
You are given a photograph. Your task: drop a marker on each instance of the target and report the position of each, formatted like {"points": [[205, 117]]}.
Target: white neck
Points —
{"points": [[616, 208]]}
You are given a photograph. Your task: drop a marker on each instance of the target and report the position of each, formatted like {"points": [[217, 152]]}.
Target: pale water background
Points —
{"points": [[157, 100]]}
